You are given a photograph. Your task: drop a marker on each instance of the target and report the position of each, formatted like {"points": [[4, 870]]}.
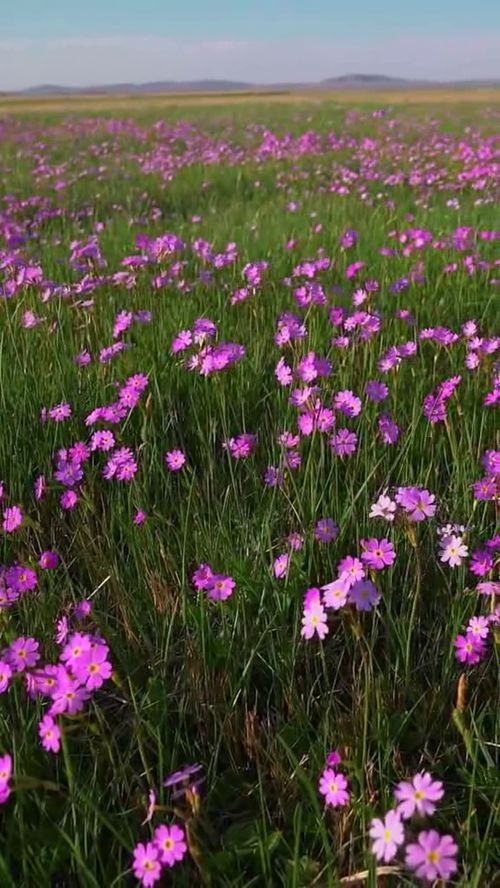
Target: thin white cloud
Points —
{"points": [[96, 60]]}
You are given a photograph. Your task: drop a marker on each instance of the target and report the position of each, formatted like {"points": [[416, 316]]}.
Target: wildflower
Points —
{"points": [[418, 503], [82, 609], [68, 695], [220, 587], [384, 508], [202, 576], [387, 835], [347, 402], [364, 595], [22, 653], [432, 856], [478, 627], [481, 562], [68, 499], [344, 442], [74, 650], [273, 477], [351, 570], [21, 578], [12, 518], [453, 550], [5, 775], [333, 786], [388, 429], [335, 594], [333, 758], [48, 560], [376, 391], [102, 440], [50, 734], [295, 541], [314, 621], [146, 864], [183, 775], [280, 565], [39, 487], [140, 517], [5, 676], [171, 843], [326, 530], [175, 460], [241, 446], [59, 412], [418, 795], [469, 648], [377, 554]]}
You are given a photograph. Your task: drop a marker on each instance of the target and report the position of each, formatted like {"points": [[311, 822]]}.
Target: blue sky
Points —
{"points": [[70, 42]]}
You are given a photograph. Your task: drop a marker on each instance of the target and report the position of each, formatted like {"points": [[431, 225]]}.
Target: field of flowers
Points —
{"points": [[250, 472]]}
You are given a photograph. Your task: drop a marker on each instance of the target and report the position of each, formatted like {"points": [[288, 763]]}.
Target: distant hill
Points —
{"points": [[346, 81]]}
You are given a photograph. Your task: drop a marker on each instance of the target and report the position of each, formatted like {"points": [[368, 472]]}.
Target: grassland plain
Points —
{"points": [[248, 387]]}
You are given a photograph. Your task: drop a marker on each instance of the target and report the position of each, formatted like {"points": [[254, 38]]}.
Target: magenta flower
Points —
{"points": [[59, 412], [220, 587], [82, 609], [5, 676], [351, 570], [334, 787], [344, 442], [418, 503], [387, 835], [68, 499], [377, 554], [479, 627], [94, 667], [280, 566], [171, 843], [202, 576], [48, 560], [469, 648], [348, 403], [333, 758], [68, 695], [146, 864], [481, 562], [50, 734], [12, 518], [22, 653], [418, 795], [5, 775], [175, 460], [21, 578], [140, 517], [77, 645], [432, 856]]}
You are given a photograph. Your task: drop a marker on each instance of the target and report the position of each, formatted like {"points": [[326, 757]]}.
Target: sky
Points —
{"points": [[72, 43]]}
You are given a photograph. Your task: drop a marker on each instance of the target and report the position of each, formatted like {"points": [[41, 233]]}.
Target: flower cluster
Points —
{"points": [[218, 587], [431, 856]]}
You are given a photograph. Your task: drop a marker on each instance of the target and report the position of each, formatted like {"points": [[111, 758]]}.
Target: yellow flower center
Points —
{"points": [[418, 795], [168, 844], [433, 856], [387, 834], [333, 786]]}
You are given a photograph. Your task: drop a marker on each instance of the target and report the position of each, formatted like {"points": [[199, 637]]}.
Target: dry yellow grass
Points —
{"points": [[13, 104]]}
